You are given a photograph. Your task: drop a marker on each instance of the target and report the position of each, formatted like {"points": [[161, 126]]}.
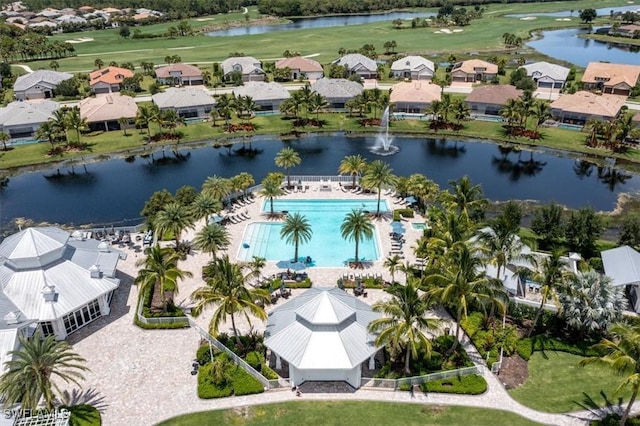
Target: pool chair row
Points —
{"points": [[239, 217]]}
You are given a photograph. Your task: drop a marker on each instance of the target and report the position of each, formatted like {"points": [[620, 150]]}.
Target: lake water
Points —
{"points": [[567, 46], [321, 22], [115, 191], [576, 13]]}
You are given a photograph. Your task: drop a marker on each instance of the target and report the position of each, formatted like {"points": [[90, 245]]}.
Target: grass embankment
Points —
{"points": [[557, 384], [104, 143], [349, 413], [481, 35]]}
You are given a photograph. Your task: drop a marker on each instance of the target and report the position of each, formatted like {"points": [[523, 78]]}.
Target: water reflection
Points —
{"points": [[517, 167], [611, 177], [445, 148]]}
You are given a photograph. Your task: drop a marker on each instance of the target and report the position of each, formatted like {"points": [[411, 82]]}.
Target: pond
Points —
{"points": [[576, 13], [567, 46], [321, 22], [115, 191]]}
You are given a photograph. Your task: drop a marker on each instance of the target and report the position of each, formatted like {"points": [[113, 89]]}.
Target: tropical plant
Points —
{"points": [[503, 244], [377, 174], [354, 165], [75, 121], [548, 224], [404, 323], [123, 122], [173, 218], [48, 131], [205, 205], [621, 353], [4, 138], [295, 230], [226, 289], [211, 238], [356, 227], [271, 188], [468, 198], [287, 158], [145, 116], [317, 103], [393, 263], [217, 187], [224, 106], [34, 371], [160, 271]]}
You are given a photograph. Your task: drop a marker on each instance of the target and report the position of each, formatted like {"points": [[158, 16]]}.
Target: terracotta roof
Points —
{"points": [[184, 70], [300, 63], [415, 91], [109, 75], [590, 104], [495, 95], [630, 28], [611, 74], [107, 107], [470, 66]]}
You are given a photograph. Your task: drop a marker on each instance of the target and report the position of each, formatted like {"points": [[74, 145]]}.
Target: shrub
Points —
{"points": [[83, 415], [244, 383], [399, 213], [545, 343], [207, 389], [255, 359], [203, 354], [525, 348], [468, 385], [267, 372], [306, 283]]}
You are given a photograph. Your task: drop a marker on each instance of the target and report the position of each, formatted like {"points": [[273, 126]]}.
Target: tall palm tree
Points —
{"points": [[33, 370], [226, 289], [217, 187], [145, 116], [304, 96], [468, 198], [47, 131], [211, 238], [271, 189], [354, 165], [174, 218], [511, 111], [393, 263], [461, 110], [59, 122], [422, 188], [75, 121], [295, 230], [540, 112], [317, 103], [245, 180], [4, 138], [460, 282], [405, 323], [621, 352], [378, 174], [595, 127], [224, 107], [356, 226], [205, 205], [160, 271], [287, 158]]}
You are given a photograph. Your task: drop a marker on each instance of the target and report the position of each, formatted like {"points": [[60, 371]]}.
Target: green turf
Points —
{"points": [[557, 384], [328, 413], [482, 35]]}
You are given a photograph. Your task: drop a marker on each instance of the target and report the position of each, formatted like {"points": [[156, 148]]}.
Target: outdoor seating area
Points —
{"points": [[397, 244]]}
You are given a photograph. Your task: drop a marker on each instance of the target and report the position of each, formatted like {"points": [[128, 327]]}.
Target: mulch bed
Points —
{"points": [[365, 122], [514, 371]]}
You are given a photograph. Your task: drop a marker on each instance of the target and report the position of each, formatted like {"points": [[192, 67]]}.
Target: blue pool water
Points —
{"points": [[418, 225], [326, 248]]}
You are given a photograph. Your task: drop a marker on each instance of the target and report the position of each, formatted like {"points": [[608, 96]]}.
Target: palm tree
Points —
{"points": [[405, 324], [99, 63], [47, 131], [33, 370], [123, 122], [392, 264], [540, 112], [295, 230], [461, 110], [245, 180], [174, 218], [287, 158], [460, 282], [75, 121], [211, 238], [226, 289], [271, 189], [356, 226], [160, 272], [59, 122], [621, 352], [4, 138], [224, 107], [511, 111], [205, 205], [353, 165], [468, 198], [217, 187], [317, 103], [422, 188], [552, 276], [378, 173], [145, 116], [305, 94], [595, 127]]}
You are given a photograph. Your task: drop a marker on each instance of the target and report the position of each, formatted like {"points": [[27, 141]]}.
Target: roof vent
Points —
{"points": [[95, 271], [49, 293], [13, 317], [77, 235], [104, 247]]}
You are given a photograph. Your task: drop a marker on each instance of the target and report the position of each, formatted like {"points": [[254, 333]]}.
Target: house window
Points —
{"points": [[46, 329], [81, 317]]}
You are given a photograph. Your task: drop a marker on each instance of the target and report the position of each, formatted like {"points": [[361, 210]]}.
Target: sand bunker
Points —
{"points": [[205, 19], [80, 40], [458, 30], [447, 31], [563, 19], [528, 18]]}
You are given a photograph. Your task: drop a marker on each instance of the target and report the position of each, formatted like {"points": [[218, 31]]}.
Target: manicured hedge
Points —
{"points": [[267, 372], [255, 359], [525, 348], [244, 383], [306, 283], [402, 212], [467, 385]]}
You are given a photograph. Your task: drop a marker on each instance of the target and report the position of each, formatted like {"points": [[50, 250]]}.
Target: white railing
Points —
{"points": [[159, 320], [418, 380], [333, 178]]}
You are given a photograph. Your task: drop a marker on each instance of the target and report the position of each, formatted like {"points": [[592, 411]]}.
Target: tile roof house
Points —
{"points": [[628, 30], [249, 68], [39, 84], [358, 64], [22, 119], [337, 91], [414, 68], [489, 100], [108, 80], [615, 79], [547, 75], [414, 96], [57, 279], [103, 112], [301, 68], [579, 107], [188, 102], [474, 70], [322, 335], [268, 96], [179, 74]]}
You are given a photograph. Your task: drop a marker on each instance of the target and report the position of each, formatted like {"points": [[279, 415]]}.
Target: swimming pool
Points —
{"points": [[419, 225], [326, 248]]}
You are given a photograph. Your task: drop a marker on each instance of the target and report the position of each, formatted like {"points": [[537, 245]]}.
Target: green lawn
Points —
{"points": [[557, 384], [349, 413]]}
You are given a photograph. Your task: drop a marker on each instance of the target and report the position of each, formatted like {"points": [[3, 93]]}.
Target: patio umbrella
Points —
{"points": [[290, 264], [411, 200], [397, 227], [216, 218]]}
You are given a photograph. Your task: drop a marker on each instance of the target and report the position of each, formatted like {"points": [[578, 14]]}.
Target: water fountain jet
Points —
{"points": [[384, 142]]}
